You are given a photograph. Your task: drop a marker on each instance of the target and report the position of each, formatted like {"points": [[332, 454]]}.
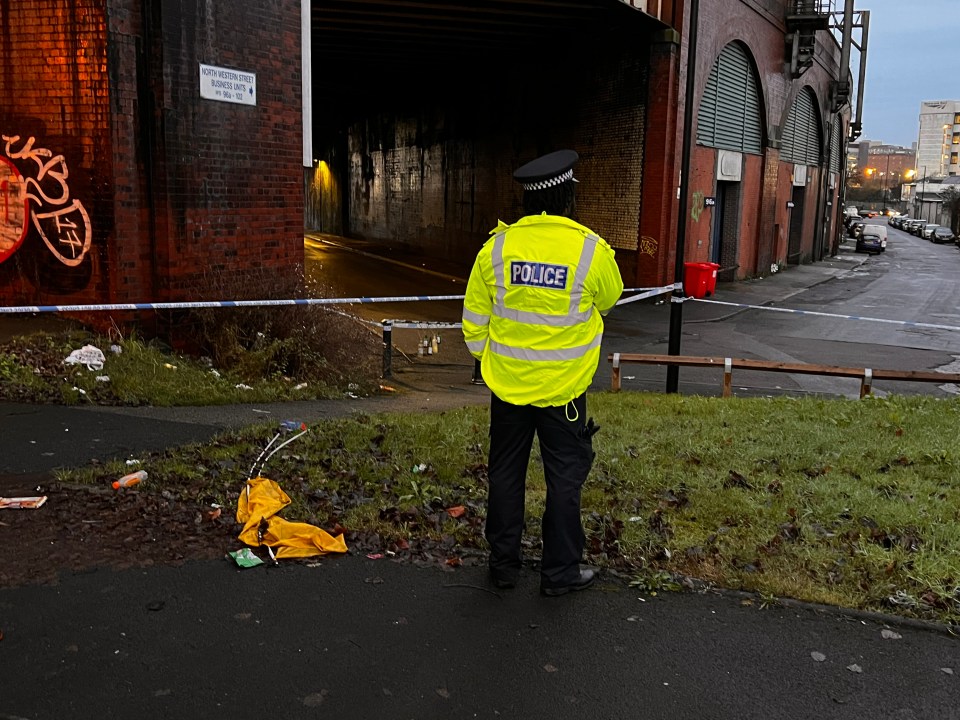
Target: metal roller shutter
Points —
{"points": [[836, 147], [730, 108], [801, 134]]}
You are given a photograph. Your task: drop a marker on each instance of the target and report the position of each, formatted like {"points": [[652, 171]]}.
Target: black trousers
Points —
{"points": [[567, 452]]}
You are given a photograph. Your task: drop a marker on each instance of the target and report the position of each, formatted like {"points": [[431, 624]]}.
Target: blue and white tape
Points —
{"points": [[23, 309]]}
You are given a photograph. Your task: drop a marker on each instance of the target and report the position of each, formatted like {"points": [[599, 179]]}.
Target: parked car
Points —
{"points": [[927, 231], [855, 228], [913, 225], [898, 220], [873, 239], [943, 235]]}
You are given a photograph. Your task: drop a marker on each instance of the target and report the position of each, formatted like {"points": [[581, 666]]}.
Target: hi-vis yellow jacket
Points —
{"points": [[532, 309]]}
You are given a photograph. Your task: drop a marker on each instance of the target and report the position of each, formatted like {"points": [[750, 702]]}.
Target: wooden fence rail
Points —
{"points": [[866, 375]]}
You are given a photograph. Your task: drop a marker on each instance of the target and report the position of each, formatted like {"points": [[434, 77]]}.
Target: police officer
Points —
{"points": [[532, 316]]}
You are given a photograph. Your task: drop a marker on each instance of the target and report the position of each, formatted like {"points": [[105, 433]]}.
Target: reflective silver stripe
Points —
{"points": [[476, 318], [477, 346], [583, 267], [572, 353], [499, 277], [532, 318]]}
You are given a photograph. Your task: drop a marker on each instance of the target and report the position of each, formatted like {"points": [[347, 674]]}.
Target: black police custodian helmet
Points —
{"points": [[547, 171]]}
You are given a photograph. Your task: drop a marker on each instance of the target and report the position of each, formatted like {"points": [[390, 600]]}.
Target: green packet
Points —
{"points": [[245, 558]]}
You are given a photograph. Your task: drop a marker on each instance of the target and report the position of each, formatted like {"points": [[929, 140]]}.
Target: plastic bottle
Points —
{"points": [[129, 480], [435, 345]]}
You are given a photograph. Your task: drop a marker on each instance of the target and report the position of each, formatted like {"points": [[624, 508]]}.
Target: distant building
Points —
{"points": [[858, 154], [938, 144], [891, 165], [932, 201]]}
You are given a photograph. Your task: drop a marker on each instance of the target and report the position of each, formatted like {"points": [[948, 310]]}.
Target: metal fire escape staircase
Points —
{"points": [[804, 19]]}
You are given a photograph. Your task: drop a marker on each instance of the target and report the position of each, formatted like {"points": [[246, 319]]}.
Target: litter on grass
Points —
{"points": [[22, 503], [88, 355], [262, 499], [257, 511], [245, 558]]}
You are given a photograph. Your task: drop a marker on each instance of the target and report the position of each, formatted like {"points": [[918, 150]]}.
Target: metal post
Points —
{"points": [[387, 348], [477, 378], [676, 306]]}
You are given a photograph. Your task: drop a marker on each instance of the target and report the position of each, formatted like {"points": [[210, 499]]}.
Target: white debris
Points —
{"points": [[88, 355]]}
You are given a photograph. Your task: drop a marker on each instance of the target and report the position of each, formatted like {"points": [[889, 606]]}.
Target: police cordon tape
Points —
{"points": [[640, 294], [220, 304], [202, 304]]}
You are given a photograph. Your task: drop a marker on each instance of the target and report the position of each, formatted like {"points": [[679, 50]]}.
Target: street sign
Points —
{"points": [[227, 85]]}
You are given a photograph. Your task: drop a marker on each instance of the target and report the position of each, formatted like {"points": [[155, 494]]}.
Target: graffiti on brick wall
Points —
{"points": [[698, 206], [16, 209], [648, 245], [34, 190]]}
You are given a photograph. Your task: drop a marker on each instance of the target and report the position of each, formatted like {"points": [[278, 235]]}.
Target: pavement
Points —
{"points": [[352, 637]]}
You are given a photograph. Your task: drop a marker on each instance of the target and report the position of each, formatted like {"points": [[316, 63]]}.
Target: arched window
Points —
{"points": [[801, 140], [836, 146], [730, 112]]}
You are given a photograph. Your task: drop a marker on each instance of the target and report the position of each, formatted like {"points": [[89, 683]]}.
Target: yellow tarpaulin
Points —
{"points": [[259, 503]]}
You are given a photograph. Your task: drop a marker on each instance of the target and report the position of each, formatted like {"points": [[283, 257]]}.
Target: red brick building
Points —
{"points": [[154, 150], [135, 187]]}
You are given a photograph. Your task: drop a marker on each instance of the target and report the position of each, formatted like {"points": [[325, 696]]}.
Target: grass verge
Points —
{"points": [[294, 359], [849, 503]]}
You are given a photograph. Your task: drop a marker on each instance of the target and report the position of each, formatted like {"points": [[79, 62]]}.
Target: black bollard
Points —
{"points": [[387, 348], [477, 378]]}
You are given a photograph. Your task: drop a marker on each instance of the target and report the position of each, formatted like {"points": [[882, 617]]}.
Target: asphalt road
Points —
{"points": [[358, 638]]}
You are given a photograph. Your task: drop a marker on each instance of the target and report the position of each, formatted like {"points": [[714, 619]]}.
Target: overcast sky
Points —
{"points": [[912, 56]]}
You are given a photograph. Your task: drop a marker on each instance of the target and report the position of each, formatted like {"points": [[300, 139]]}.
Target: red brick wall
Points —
{"points": [[760, 26], [703, 163], [656, 253], [231, 174], [750, 224], [183, 197], [54, 110]]}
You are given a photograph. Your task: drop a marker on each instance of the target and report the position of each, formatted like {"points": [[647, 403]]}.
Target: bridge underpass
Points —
{"points": [[422, 109]]}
